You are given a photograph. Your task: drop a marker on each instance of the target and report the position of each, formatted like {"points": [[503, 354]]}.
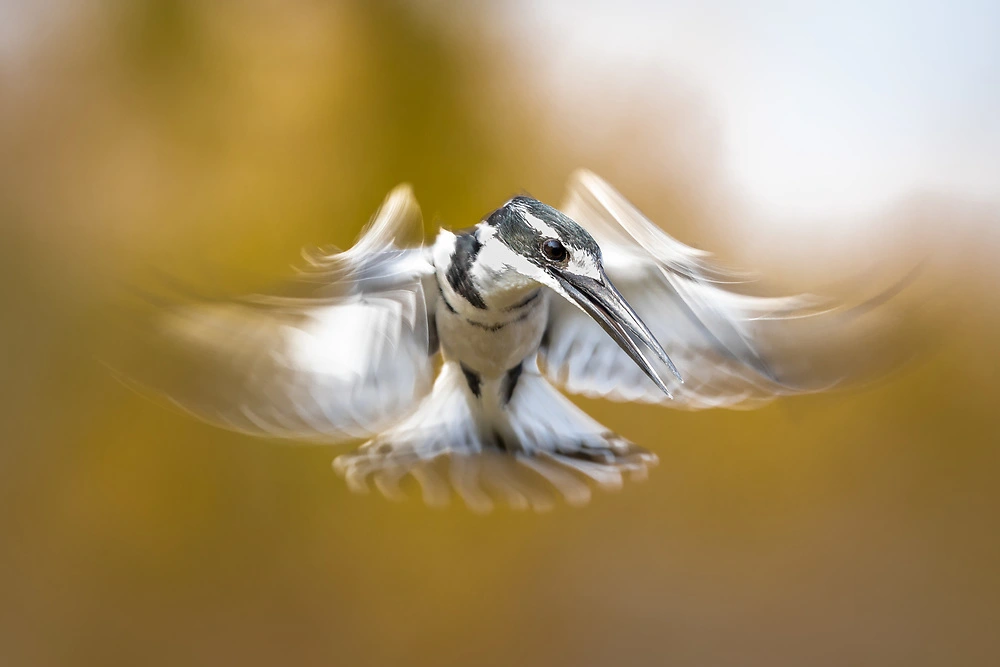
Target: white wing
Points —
{"points": [[732, 349], [340, 353]]}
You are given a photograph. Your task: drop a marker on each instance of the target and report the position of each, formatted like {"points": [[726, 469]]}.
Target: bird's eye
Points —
{"points": [[554, 249]]}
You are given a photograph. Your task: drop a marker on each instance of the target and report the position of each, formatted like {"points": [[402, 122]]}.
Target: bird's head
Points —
{"points": [[540, 245]]}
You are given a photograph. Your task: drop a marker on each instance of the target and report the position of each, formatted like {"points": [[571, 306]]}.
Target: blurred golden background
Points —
{"points": [[213, 140]]}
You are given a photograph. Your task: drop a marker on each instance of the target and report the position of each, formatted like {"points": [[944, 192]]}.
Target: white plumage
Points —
{"points": [[520, 304]]}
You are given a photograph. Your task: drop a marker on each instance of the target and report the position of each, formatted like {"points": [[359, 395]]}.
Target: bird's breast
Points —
{"points": [[491, 342]]}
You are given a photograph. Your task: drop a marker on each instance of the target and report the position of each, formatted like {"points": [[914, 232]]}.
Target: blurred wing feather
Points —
{"points": [[339, 353], [732, 349]]}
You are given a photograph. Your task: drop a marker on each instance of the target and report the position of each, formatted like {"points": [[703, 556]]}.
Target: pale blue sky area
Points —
{"points": [[825, 108]]}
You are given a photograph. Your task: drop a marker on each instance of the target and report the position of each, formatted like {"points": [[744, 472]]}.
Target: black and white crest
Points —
{"points": [[524, 224]]}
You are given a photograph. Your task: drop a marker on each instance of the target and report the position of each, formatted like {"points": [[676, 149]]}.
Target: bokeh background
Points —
{"points": [[822, 146]]}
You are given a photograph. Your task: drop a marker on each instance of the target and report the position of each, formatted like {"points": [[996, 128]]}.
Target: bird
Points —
{"points": [[451, 360]]}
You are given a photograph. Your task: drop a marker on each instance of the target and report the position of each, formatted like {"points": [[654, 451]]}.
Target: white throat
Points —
{"points": [[502, 275]]}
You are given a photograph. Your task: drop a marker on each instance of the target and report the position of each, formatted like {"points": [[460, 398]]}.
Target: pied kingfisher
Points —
{"points": [[447, 357]]}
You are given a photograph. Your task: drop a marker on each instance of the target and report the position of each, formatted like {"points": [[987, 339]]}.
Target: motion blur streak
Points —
{"points": [[346, 348], [213, 140]]}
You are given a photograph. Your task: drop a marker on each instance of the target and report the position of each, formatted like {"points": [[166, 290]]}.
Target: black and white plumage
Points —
{"points": [[526, 301]]}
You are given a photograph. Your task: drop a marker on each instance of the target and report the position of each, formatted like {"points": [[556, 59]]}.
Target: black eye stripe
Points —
{"points": [[513, 230]]}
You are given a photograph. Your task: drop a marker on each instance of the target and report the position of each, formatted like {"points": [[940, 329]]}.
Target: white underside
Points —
{"points": [[526, 453]]}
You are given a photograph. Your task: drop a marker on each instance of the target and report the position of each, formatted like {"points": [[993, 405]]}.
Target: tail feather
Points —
{"points": [[526, 452]]}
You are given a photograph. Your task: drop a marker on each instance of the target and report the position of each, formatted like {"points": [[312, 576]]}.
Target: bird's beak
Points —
{"points": [[603, 302]]}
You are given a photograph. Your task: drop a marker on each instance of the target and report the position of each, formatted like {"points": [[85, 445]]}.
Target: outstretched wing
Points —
{"points": [[340, 352], [732, 349]]}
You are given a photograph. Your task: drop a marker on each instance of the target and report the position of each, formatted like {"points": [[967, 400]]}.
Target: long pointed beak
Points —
{"points": [[603, 302]]}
